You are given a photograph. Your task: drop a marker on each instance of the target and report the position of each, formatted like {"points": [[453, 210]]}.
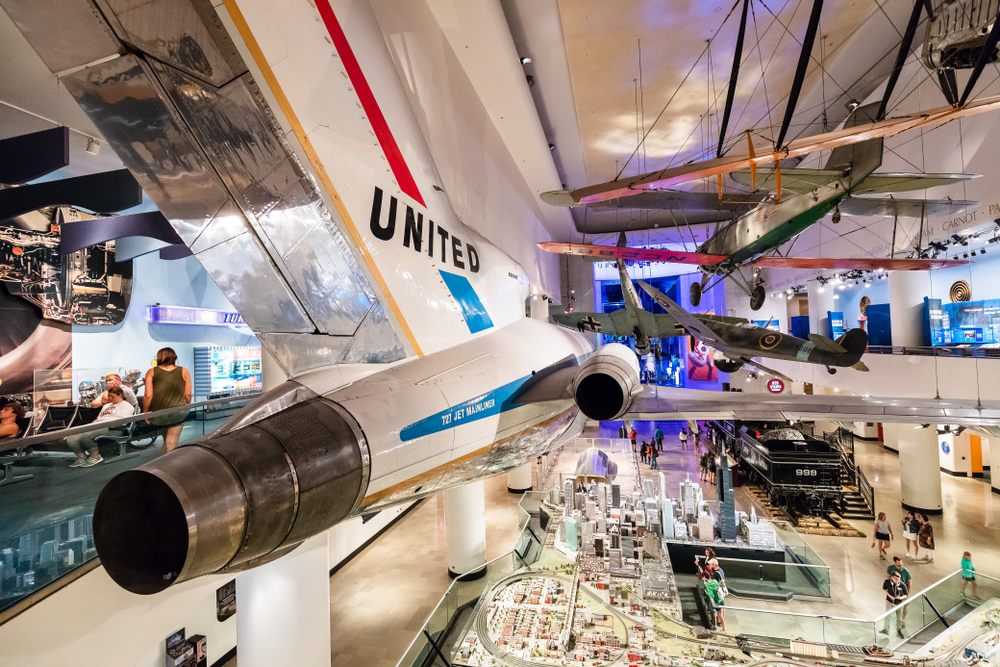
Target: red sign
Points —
{"points": [[775, 385]]}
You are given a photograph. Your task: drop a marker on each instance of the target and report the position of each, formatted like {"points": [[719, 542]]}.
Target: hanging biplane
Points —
{"points": [[801, 197]]}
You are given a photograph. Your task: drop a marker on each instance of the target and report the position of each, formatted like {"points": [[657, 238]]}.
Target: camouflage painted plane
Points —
{"points": [[632, 320], [735, 340], [737, 344], [750, 242]]}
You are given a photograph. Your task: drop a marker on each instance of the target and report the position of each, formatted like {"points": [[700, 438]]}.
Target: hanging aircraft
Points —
{"points": [[856, 151], [738, 344], [411, 367], [633, 320], [750, 241]]}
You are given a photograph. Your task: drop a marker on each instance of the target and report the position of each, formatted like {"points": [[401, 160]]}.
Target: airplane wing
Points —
{"points": [[856, 263], [905, 208], [750, 362], [678, 404], [794, 180], [687, 323], [672, 176], [680, 200], [593, 322], [884, 183], [639, 254]]}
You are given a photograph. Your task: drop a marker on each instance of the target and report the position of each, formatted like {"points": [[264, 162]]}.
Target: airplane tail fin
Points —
{"points": [[863, 157], [855, 342]]}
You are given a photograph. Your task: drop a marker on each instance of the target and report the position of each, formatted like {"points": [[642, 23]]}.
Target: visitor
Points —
{"points": [[652, 457], [713, 588], [712, 464], [116, 408], [926, 538], [703, 562], [968, 573], [703, 463], [905, 577], [167, 386], [9, 414], [658, 434], [632, 435], [895, 593], [115, 380], [696, 432], [684, 439], [883, 534], [910, 528], [644, 452]]}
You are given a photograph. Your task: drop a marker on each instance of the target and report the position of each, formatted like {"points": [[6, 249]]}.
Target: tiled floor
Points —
{"points": [[381, 599]]}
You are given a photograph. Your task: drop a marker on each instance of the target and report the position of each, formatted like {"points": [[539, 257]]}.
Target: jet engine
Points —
{"points": [[289, 467], [725, 364], [607, 382]]}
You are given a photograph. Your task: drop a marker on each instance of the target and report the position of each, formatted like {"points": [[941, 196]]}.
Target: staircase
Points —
{"points": [[853, 505]]}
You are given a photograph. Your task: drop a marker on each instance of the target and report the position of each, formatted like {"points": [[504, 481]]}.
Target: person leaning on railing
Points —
{"points": [[167, 386], [9, 414]]}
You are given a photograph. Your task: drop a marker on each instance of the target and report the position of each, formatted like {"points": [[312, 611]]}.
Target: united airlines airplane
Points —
{"points": [[279, 141]]}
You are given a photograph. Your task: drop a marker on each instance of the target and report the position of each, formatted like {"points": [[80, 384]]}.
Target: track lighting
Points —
{"points": [[525, 61]]}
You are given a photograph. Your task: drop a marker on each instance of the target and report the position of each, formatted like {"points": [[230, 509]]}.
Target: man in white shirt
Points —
{"points": [[115, 380], [116, 408]]}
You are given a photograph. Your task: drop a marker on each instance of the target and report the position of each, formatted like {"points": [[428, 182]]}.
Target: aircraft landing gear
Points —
{"points": [[831, 371], [757, 297], [695, 294]]}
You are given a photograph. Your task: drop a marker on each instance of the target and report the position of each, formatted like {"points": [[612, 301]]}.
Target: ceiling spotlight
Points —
{"points": [[821, 289], [836, 214], [965, 255], [525, 61], [867, 284], [982, 251], [93, 146], [836, 296], [852, 105], [552, 147], [530, 79]]}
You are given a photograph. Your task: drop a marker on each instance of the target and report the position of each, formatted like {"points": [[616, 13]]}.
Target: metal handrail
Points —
{"points": [[113, 423], [927, 351], [771, 562]]}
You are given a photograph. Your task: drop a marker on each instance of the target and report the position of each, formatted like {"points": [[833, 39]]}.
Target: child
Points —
{"points": [[968, 573]]}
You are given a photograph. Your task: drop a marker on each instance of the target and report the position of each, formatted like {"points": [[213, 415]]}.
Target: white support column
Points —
{"points": [[907, 290], [919, 468], [283, 609], [820, 303], [271, 373], [539, 308], [519, 479], [465, 523]]}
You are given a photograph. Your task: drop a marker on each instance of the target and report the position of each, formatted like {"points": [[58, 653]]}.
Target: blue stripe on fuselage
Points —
{"points": [[486, 405]]}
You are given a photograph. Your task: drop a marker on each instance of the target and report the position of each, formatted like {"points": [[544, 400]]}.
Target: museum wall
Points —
{"points": [[133, 343], [95, 621], [474, 160]]}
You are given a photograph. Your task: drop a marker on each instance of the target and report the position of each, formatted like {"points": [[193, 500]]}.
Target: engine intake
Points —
{"points": [[237, 499], [607, 383]]}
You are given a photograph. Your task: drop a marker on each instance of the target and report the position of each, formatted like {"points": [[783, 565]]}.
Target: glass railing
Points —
{"points": [[759, 578], [917, 620], [47, 507], [796, 545], [454, 615]]}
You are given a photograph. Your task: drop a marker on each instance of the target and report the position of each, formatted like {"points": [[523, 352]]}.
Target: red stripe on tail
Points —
{"points": [[396, 162]]}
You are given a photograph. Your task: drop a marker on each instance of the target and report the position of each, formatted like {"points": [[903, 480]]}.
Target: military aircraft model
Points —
{"points": [[411, 367], [632, 320], [750, 241], [737, 344]]}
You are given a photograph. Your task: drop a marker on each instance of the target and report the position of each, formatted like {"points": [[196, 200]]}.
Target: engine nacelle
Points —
{"points": [[725, 364], [607, 382]]}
